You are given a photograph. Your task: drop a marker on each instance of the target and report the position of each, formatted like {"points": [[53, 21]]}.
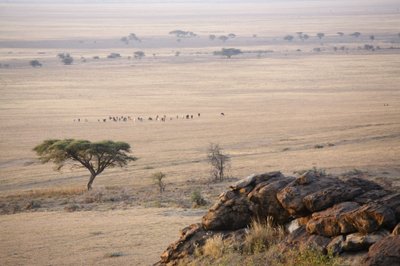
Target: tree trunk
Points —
{"points": [[89, 185]]}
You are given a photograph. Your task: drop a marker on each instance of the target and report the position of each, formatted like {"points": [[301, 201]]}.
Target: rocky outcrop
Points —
{"points": [[326, 213]]}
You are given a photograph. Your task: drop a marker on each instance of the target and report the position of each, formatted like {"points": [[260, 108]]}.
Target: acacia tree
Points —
{"points": [[218, 160], [94, 156], [228, 52]]}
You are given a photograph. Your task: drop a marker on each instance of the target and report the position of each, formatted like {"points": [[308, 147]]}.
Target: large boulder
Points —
{"points": [[326, 198], [332, 222], [253, 180], [392, 201], [191, 237], [360, 241], [231, 212], [365, 184], [371, 196], [371, 217], [385, 252], [265, 202], [300, 238], [294, 196]]}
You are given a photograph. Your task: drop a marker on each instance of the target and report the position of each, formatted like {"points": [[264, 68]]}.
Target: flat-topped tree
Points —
{"points": [[228, 52], [94, 156], [320, 35]]}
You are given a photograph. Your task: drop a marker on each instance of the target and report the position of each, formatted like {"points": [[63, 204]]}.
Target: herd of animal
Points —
{"points": [[128, 118]]}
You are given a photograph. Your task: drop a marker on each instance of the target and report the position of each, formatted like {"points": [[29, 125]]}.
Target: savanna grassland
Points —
{"points": [[330, 103]]}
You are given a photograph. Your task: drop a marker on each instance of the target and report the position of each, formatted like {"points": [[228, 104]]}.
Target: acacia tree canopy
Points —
{"points": [[94, 156]]}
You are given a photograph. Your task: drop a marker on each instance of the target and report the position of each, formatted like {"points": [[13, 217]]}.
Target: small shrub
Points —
{"points": [[158, 180], [35, 63], [32, 205], [66, 58], [93, 196], [318, 146], [197, 199], [309, 256], [139, 54], [72, 208], [114, 254], [214, 247], [113, 55]]}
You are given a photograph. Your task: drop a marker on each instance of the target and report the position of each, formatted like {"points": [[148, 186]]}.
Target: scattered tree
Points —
{"points": [[228, 52], [139, 54], [134, 37], [223, 38], [288, 38], [302, 36], [125, 40], [94, 156], [183, 34], [114, 55], [231, 35], [35, 63], [340, 33], [212, 37], [372, 37], [177, 53], [219, 162], [158, 180], [369, 47], [66, 58], [320, 35]]}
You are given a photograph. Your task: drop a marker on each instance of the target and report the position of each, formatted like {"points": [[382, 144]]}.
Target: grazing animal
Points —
{"points": [[198, 114], [222, 113]]}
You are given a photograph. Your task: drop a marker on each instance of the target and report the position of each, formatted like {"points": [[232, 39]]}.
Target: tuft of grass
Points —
{"points": [[261, 235], [316, 171], [72, 207], [214, 247]]}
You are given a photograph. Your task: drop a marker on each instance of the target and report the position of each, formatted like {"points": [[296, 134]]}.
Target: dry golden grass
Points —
{"points": [[261, 235], [51, 192], [89, 238], [214, 247]]}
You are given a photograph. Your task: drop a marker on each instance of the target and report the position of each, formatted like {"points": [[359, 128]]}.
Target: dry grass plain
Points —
{"points": [[277, 107]]}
